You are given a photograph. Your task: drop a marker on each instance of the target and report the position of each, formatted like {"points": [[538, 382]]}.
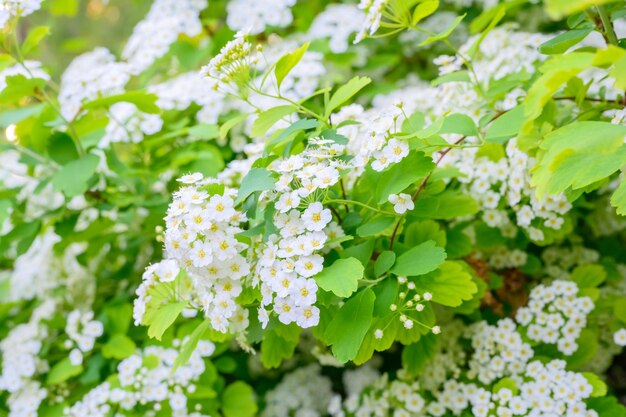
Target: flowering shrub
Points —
{"points": [[315, 208]]}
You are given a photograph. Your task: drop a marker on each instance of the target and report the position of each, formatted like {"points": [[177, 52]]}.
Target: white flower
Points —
{"points": [[190, 178], [76, 357], [316, 217], [308, 316], [620, 337], [401, 202]]}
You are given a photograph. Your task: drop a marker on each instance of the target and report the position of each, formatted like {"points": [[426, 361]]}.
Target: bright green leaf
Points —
{"points": [[449, 285], [72, 179], [119, 346], [145, 102], [62, 371], [348, 327], [268, 118], [287, 62], [258, 179], [341, 278], [164, 318], [238, 400], [419, 260], [345, 92]]}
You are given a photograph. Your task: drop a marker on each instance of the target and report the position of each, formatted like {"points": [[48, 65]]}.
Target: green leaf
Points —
{"points": [[459, 123], [63, 7], [145, 102], [18, 86], [384, 262], [9, 117], [61, 148], [416, 355], [378, 225], [341, 278], [618, 199], [230, 123], [599, 387], [258, 179], [414, 123], [556, 72], [578, 154], [607, 407], [506, 126], [399, 176], [164, 318], [450, 285], [588, 276], [619, 73], [287, 62], [444, 35], [419, 260], [561, 43], [238, 400], [62, 371], [119, 346], [72, 179], [345, 92], [268, 118], [424, 9], [285, 135], [34, 37], [190, 344], [278, 343], [457, 76], [204, 131], [348, 327], [559, 8]]}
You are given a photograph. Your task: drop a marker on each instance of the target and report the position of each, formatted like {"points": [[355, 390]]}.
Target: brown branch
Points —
{"points": [[422, 185]]}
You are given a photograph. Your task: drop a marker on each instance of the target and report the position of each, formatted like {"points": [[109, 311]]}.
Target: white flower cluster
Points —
{"points": [[11, 8], [233, 63], [166, 20], [504, 184], [288, 261], [129, 124], [374, 12], [29, 69], [504, 51], [200, 237], [82, 331], [337, 22], [181, 91], [38, 272], [89, 76], [370, 138], [39, 196], [253, 16], [499, 351], [560, 261], [503, 258], [21, 363], [556, 315], [147, 377], [372, 394], [303, 393]]}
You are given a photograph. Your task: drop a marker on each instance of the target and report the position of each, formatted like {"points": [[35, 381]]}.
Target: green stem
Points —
{"points": [[44, 95], [358, 203], [608, 32]]}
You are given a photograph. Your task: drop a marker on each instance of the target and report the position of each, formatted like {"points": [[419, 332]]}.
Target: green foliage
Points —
{"points": [[419, 260], [348, 327], [342, 277]]}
